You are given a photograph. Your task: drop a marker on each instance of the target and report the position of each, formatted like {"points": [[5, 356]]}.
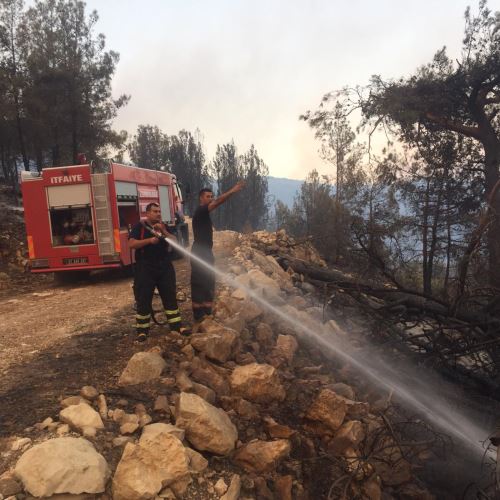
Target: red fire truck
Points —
{"points": [[78, 217]]}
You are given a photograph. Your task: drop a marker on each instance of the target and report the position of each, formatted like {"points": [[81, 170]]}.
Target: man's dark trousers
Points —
{"points": [[148, 276]]}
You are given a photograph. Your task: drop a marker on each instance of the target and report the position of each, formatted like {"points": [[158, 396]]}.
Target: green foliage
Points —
{"points": [[254, 197], [69, 74], [147, 148], [316, 214], [12, 140], [181, 154], [460, 99], [249, 210], [225, 171], [57, 75], [333, 209], [446, 117], [184, 156]]}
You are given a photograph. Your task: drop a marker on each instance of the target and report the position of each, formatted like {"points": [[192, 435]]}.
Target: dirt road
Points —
{"points": [[56, 339]]}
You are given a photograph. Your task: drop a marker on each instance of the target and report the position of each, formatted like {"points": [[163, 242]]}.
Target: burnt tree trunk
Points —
{"points": [[434, 239], [492, 160], [425, 232]]}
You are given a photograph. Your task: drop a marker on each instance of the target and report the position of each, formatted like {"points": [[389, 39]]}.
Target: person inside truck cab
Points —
{"points": [[70, 232], [154, 269]]}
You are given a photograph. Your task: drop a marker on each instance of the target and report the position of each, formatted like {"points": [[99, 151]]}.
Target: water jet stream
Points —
{"points": [[424, 400]]}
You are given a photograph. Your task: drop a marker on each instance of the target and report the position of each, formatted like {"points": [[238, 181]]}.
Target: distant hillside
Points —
{"points": [[283, 189]]}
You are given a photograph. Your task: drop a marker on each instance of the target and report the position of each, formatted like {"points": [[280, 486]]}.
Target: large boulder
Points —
{"points": [[197, 462], [62, 465], [286, 346], [8, 485], [233, 492], [357, 409], [372, 490], [226, 307], [208, 325], [142, 367], [129, 423], [157, 461], [235, 322], [390, 464], [327, 412], [283, 487], [343, 390], [161, 405], [276, 430], [262, 456], [215, 341], [81, 416], [206, 373], [249, 310], [204, 392], [257, 382], [270, 266], [260, 282], [246, 309], [264, 334], [102, 405], [89, 392], [73, 400], [155, 431], [207, 427], [350, 435]]}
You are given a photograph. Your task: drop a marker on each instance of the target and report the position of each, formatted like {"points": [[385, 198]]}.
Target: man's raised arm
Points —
{"points": [[225, 196]]}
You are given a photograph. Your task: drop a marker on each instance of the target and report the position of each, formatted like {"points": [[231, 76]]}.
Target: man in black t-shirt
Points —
{"points": [[153, 269], [203, 280]]}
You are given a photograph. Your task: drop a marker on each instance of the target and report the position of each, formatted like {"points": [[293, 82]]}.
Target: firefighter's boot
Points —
{"points": [[198, 313], [142, 324], [174, 321]]}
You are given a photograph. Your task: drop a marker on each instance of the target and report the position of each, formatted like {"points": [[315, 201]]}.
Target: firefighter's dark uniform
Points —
{"points": [[202, 279], [153, 269]]}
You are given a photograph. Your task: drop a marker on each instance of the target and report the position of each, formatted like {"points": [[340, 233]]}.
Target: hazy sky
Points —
{"points": [[245, 70]]}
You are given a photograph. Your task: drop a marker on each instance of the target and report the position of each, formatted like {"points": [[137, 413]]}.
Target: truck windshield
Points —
{"points": [[71, 226]]}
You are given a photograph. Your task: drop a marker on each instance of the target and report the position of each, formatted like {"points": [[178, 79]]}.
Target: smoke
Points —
{"points": [[419, 391]]}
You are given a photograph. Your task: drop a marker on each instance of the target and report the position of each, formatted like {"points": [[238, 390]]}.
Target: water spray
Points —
{"points": [[428, 404]]}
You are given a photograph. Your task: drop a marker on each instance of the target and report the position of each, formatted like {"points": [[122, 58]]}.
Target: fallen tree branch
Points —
{"points": [[392, 296], [464, 345]]}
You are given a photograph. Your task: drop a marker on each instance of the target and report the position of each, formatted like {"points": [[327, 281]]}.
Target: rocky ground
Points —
{"points": [[243, 408]]}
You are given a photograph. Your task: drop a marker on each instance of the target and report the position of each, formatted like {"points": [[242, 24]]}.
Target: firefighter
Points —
{"points": [[154, 269], [203, 280]]}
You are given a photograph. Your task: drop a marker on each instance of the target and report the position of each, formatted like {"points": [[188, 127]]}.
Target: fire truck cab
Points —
{"points": [[79, 217]]}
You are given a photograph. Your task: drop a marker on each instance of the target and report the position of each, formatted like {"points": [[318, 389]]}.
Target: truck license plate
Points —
{"points": [[75, 260]]}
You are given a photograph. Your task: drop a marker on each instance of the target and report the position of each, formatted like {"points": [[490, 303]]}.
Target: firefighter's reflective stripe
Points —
{"points": [[31, 248], [142, 321], [118, 246], [173, 315]]}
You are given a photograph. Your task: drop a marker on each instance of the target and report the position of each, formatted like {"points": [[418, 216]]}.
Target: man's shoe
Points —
{"points": [[142, 337]]}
